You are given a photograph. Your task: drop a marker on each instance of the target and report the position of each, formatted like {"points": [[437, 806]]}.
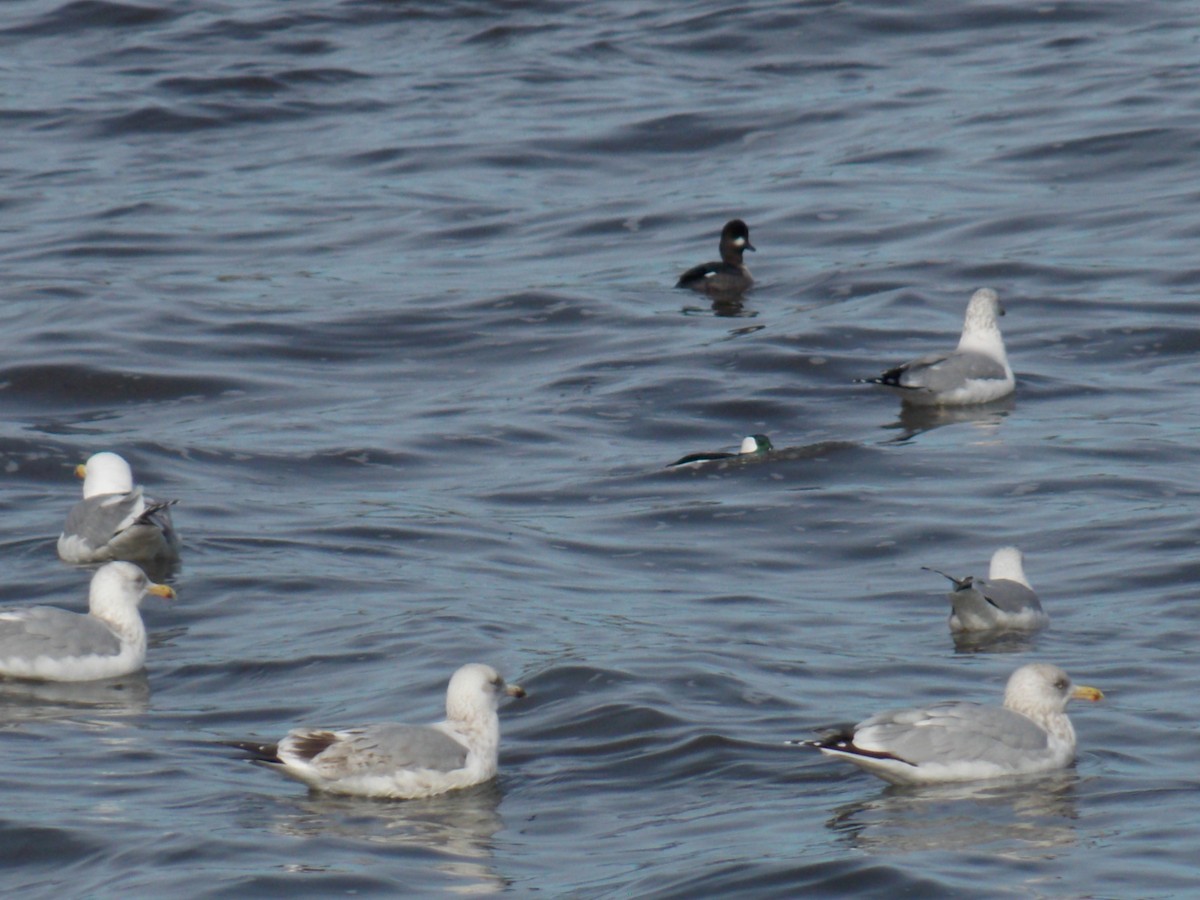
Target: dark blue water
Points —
{"points": [[382, 293]]}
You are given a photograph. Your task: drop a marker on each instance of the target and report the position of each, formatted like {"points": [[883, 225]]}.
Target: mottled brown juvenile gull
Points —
{"points": [[402, 762], [1006, 601], [51, 644], [977, 371], [960, 741], [114, 520]]}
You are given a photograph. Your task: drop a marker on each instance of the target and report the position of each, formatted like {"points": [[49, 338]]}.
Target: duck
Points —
{"points": [[754, 444], [729, 276]]}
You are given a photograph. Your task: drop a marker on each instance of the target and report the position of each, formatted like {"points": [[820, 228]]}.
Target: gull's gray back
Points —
{"points": [[386, 748], [954, 730], [1010, 596], [34, 631], [946, 371], [96, 519]]}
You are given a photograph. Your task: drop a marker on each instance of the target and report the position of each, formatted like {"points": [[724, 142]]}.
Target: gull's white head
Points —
{"points": [[475, 689], [122, 585], [983, 311], [1008, 563], [981, 331], [105, 473], [1039, 690]]}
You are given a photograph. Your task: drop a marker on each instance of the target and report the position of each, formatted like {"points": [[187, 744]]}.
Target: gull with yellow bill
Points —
{"points": [[45, 643], [962, 741]]}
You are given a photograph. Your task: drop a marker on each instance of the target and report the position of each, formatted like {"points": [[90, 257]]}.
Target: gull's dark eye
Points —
{"points": [[1061, 684]]}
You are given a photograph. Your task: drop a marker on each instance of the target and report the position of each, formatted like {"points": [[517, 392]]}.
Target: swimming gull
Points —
{"points": [[114, 520], [751, 444], [1005, 601], [977, 371], [960, 741], [401, 762], [46, 643], [729, 276]]}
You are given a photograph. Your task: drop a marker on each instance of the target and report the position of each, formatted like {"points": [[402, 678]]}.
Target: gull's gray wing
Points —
{"points": [[971, 610], [949, 732], [1009, 597], [46, 630], [96, 519], [941, 372], [375, 749]]}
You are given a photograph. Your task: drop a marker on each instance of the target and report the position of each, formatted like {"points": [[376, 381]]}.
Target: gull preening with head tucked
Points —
{"points": [[46, 643], [1005, 601], [962, 741], [401, 762], [115, 520], [977, 371]]}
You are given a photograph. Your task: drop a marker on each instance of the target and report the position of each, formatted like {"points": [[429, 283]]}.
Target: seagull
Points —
{"points": [[401, 762], [730, 275], [751, 445], [977, 371], [1005, 601], [961, 741], [46, 643], [114, 520]]}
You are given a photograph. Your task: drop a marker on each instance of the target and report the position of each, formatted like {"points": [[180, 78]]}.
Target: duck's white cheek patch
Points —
{"points": [[739, 243]]}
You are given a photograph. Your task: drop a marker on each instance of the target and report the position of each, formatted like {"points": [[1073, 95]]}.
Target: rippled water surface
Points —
{"points": [[382, 292]]}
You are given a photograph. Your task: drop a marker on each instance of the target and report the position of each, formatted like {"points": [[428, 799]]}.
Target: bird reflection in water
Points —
{"points": [[1018, 818], [916, 420], [456, 829], [29, 701]]}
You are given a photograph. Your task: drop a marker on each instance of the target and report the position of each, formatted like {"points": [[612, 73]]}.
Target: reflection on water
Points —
{"points": [[1013, 817], [996, 640], [27, 701], [456, 828], [725, 309], [916, 420], [811, 451], [730, 307]]}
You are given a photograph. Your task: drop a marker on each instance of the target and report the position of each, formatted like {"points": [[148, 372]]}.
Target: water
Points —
{"points": [[382, 292]]}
